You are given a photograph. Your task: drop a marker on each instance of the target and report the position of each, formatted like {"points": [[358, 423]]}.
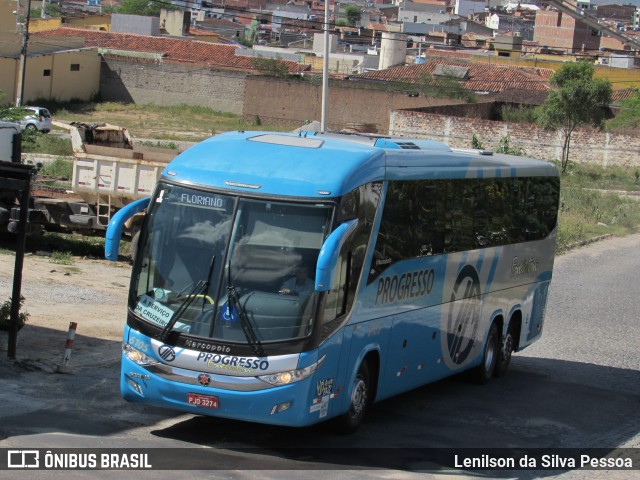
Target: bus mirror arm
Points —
{"points": [[114, 229], [329, 253]]}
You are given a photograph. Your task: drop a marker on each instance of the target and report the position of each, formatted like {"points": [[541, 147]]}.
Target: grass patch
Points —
{"points": [[37, 142], [159, 144], [610, 178], [60, 246], [588, 211], [60, 167], [76, 245], [61, 258], [180, 122]]}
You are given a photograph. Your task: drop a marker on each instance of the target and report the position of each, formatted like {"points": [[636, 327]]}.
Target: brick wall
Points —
{"points": [[292, 102], [127, 80], [284, 102], [587, 145], [559, 31]]}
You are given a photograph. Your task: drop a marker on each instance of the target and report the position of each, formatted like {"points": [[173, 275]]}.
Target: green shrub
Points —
{"points": [[5, 315]]}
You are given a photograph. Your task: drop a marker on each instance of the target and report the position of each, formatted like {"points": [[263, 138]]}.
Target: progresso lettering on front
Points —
{"points": [[392, 288], [228, 362]]}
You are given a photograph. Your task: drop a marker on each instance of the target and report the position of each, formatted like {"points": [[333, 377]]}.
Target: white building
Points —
{"points": [[466, 7], [492, 21]]}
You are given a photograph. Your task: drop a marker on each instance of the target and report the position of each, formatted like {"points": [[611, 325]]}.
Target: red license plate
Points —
{"points": [[204, 401]]}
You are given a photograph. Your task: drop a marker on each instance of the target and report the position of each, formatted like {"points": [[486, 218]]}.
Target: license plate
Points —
{"points": [[204, 401]]}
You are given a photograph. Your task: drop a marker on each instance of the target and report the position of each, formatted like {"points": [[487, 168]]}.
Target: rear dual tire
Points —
{"points": [[507, 347]]}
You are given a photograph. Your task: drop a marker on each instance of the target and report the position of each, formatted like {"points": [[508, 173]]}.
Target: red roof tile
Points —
{"points": [[377, 26], [174, 49], [202, 31], [623, 94], [480, 77]]}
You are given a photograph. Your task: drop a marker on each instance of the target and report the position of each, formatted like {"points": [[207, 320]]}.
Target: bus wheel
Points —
{"points": [[484, 371], [504, 358], [359, 400]]}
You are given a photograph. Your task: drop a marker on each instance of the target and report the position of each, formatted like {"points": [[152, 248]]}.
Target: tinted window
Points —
{"points": [[433, 217]]}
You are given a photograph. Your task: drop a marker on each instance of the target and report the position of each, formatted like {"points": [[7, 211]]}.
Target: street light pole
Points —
{"points": [[23, 57], [325, 70]]}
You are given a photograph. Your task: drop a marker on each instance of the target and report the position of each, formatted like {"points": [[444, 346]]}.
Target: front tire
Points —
{"points": [[484, 371], [359, 401]]}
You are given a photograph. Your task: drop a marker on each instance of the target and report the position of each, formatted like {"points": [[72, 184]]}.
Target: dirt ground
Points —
{"points": [[90, 292]]}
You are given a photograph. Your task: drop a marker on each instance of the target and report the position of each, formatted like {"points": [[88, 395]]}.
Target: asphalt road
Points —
{"points": [[578, 387]]}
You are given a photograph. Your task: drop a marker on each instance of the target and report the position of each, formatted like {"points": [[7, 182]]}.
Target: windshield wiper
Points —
{"points": [[199, 287], [207, 284], [247, 327], [195, 291]]}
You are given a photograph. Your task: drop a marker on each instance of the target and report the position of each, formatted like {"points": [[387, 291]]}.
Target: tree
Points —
{"points": [[9, 113], [629, 115], [272, 67], [576, 101], [140, 7], [353, 13], [443, 86], [51, 10]]}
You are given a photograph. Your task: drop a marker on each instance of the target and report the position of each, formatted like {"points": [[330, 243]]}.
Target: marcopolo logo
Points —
{"points": [[464, 312], [167, 353]]}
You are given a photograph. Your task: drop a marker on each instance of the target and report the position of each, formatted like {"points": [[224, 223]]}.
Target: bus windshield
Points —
{"points": [[228, 268]]}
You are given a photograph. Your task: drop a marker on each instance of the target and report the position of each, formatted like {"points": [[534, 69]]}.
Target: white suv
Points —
{"points": [[36, 118]]}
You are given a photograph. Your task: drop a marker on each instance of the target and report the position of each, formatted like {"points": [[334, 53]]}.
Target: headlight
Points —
{"points": [[292, 376], [137, 356]]}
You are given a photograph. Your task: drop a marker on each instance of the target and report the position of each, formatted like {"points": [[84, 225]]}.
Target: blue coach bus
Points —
{"points": [[293, 278]]}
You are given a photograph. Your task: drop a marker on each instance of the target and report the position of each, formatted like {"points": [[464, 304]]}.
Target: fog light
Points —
{"points": [[280, 407], [133, 384]]}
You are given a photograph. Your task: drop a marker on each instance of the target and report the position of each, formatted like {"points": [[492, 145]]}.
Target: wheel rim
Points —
{"points": [[507, 348], [358, 397]]}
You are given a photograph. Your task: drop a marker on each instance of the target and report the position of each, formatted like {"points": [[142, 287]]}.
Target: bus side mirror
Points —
{"points": [[114, 230], [329, 253]]}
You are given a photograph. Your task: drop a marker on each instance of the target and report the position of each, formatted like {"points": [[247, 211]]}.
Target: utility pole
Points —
{"points": [[325, 70], [23, 56]]}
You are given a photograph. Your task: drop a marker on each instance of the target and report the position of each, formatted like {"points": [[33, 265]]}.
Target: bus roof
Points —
{"points": [[310, 164]]}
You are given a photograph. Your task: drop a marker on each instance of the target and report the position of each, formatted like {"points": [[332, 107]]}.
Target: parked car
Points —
{"points": [[36, 118]]}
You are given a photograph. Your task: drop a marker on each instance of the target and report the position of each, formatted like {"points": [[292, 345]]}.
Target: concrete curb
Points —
{"points": [[589, 241]]}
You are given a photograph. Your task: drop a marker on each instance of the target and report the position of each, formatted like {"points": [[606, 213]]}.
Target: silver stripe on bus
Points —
{"points": [[190, 377]]}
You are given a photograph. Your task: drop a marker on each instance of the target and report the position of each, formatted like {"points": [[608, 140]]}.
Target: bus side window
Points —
{"points": [[363, 202], [334, 299]]}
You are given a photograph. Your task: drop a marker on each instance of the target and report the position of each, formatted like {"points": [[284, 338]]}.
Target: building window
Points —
{"points": [[46, 72], [75, 67]]}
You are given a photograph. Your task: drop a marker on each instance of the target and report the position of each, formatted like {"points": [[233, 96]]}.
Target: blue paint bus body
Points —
{"points": [[425, 262]]}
